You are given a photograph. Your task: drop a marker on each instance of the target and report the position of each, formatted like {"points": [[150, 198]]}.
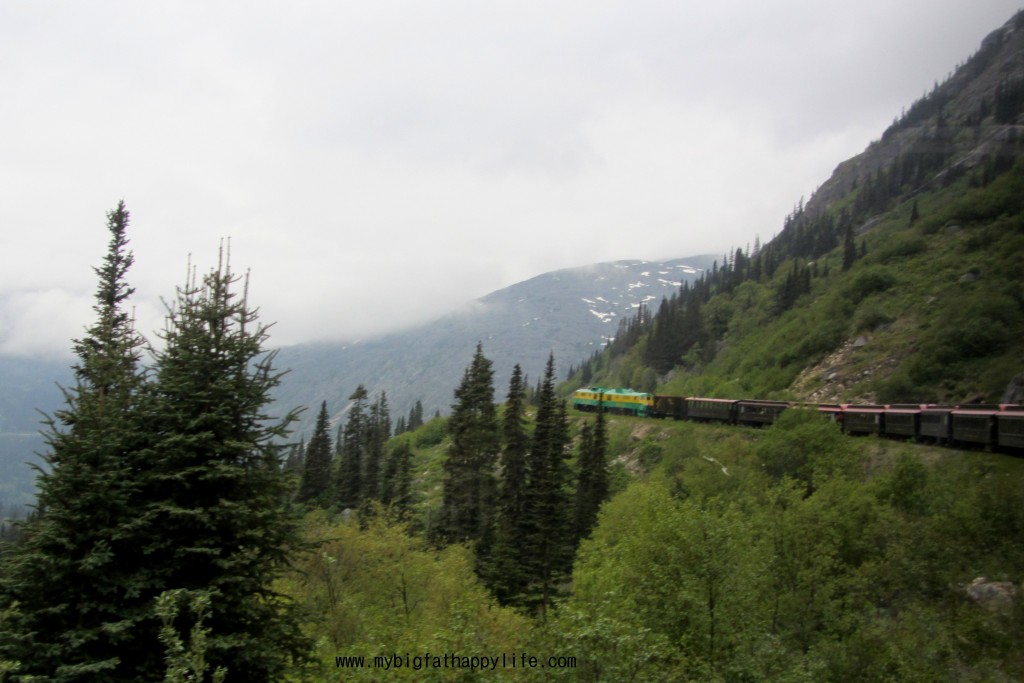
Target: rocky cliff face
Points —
{"points": [[960, 125]]}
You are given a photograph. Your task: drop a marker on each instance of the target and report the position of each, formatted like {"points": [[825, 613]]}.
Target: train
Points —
{"points": [[991, 426]]}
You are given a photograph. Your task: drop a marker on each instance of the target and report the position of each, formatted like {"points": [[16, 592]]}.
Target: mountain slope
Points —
{"points": [[900, 280], [570, 313]]}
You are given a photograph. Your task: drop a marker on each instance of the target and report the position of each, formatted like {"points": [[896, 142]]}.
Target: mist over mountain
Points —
{"points": [[570, 313]]}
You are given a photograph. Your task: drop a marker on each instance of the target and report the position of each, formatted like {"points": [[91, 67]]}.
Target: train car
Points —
{"points": [[902, 420], [974, 424], [669, 406], [711, 409], [759, 413], [617, 401], [865, 419], [833, 411], [1010, 427], [989, 426], [936, 422]]}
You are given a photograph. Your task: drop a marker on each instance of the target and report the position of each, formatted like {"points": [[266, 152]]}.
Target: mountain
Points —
{"points": [[970, 121], [30, 390], [570, 313], [900, 280]]}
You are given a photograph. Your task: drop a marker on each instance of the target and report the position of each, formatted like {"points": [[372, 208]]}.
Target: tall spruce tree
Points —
{"points": [[396, 483], [849, 248], [469, 483], [71, 600], [296, 460], [415, 417], [508, 572], [592, 481], [214, 519], [316, 472], [377, 433], [547, 542], [353, 452]]}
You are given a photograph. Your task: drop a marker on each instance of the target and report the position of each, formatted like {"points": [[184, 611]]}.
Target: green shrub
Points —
{"points": [[901, 248], [871, 280]]}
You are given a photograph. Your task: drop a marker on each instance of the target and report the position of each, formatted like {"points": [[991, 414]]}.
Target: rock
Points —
{"points": [[994, 595], [1014, 390], [860, 341], [973, 275]]}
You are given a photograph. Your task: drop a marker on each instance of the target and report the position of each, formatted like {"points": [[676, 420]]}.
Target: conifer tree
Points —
{"points": [[547, 542], [415, 417], [396, 485], [316, 473], [508, 573], [378, 431], [296, 461], [592, 482], [74, 604], [849, 248], [213, 517], [469, 484], [352, 452]]}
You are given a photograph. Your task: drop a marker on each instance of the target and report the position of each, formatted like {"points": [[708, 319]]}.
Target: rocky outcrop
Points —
{"points": [[997, 596], [955, 122]]}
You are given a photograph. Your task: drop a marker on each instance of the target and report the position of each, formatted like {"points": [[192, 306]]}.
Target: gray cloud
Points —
{"points": [[377, 164]]}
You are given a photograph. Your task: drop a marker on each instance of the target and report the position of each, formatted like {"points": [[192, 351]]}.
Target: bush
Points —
{"points": [[870, 281], [903, 247], [870, 318], [976, 327], [432, 433]]}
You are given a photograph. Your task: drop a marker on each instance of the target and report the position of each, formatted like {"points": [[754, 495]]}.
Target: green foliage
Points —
{"points": [[977, 326], [868, 281], [805, 446], [903, 247], [715, 569], [431, 433], [185, 661], [378, 590]]}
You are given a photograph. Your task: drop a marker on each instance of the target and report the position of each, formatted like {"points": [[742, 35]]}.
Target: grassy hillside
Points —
{"points": [[931, 310]]}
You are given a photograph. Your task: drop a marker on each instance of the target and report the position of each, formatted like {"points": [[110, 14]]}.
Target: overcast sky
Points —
{"points": [[377, 163]]}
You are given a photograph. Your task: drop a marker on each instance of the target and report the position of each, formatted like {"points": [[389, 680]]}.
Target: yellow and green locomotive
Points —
{"points": [[617, 401]]}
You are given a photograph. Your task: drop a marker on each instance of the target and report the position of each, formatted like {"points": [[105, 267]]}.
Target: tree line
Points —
{"points": [[507, 490]]}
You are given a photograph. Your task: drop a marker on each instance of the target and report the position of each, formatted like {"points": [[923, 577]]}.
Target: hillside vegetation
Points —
{"points": [[899, 281], [793, 553]]}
